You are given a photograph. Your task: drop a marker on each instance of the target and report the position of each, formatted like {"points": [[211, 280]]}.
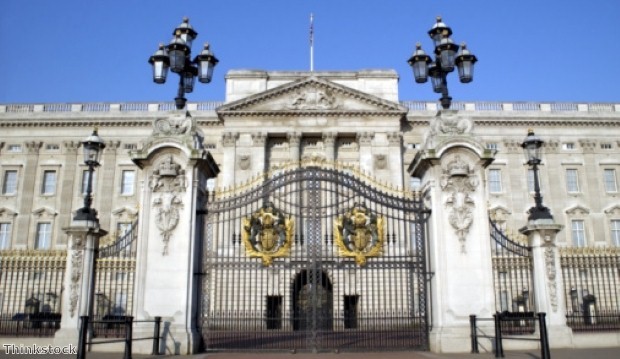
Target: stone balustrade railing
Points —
{"points": [[411, 105]]}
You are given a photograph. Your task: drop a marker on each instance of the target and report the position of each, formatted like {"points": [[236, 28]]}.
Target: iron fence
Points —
{"points": [[592, 288], [512, 279], [30, 292]]}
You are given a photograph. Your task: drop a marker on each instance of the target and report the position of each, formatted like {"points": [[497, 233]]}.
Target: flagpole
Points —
{"points": [[311, 42]]}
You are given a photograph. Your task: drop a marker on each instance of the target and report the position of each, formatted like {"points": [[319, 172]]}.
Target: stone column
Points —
{"points": [[259, 139], [364, 140], [79, 282], [67, 187], [107, 184], [548, 281], [395, 158], [294, 141], [28, 191], [329, 142], [229, 141]]}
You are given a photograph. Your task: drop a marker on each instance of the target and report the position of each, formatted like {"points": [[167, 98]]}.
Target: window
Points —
{"points": [[606, 146], [52, 147], [495, 181], [615, 232], [274, 312], [122, 228], [415, 183], [568, 146], [130, 146], [14, 148], [9, 185], [49, 183], [491, 146], [579, 233], [572, 181], [350, 311], [85, 181], [5, 235], [609, 177], [127, 182], [44, 236]]}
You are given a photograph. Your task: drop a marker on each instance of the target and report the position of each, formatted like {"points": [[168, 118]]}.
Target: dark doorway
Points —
{"points": [[312, 301], [350, 311], [274, 312]]}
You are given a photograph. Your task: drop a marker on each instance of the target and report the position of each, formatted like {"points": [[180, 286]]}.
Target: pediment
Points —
{"points": [[613, 210], [7, 212], [125, 212], [311, 95], [44, 212], [577, 210]]}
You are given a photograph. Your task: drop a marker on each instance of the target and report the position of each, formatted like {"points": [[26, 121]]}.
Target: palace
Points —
{"points": [[310, 211]]}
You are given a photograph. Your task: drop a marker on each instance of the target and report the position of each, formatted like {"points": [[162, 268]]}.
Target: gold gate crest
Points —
{"points": [[267, 234], [359, 234]]}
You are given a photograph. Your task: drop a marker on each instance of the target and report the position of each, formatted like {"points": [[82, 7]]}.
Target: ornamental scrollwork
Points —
{"points": [[77, 255], [359, 234], [551, 276], [167, 181], [267, 234], [459, 181]]}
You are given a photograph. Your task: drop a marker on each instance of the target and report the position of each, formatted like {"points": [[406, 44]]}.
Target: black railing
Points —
{"points": [[29, 325], [127, 324], [592, 288], [502, 321]]}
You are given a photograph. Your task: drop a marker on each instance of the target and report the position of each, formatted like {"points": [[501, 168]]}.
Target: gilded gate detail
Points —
{"points": [[314, 258]]}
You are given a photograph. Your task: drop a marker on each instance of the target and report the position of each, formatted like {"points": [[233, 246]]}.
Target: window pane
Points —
{"points": [[5, 235], [44, 236], [127, 182], [9, 185], [609, 177], [572, 184], [85, 181], [495, 181], [49, 182], [615, 232], [578, 232]]}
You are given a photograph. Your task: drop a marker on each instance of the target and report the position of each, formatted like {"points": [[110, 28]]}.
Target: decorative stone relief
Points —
{"points": [[229, 139], [259, 139], [329, 138], [166, 183], [294, 138], [380, 162], [394, 138], [173, 126], [451, 124], [314, 98], [459, 181], [245, 161], [551, 276], [76, 271]]}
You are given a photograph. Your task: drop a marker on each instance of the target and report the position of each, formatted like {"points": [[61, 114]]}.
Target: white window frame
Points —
{"points": [[495, 180], [48, 182], [609, 179], [43, 238], [12, 190], [84, 183], [578, 233], [530, 180], [614, 226], [128, 183], [5, 235], [572, 180]]}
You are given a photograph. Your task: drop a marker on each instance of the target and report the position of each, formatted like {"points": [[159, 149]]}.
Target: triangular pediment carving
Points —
{"points": [[7, 212], [613, 210], [44, 212], [311, 95], [125, 213], [577, 211]]}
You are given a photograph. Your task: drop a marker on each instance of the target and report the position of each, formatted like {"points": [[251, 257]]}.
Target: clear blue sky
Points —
{"points": [[97, 51]]}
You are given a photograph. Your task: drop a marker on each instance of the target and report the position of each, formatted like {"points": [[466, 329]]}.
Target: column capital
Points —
{"points": [[547, 234], [329, 138], [229, 139], [365, 138], [259, 139], [294, 138], [394, 138]]}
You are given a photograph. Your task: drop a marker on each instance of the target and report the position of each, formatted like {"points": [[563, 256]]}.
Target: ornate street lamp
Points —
{"points": [[176, 58], [531, 149], [447, 55], [93, 147]]}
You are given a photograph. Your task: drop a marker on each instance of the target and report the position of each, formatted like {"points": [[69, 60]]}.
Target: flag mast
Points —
{"points": [[311, 42]]}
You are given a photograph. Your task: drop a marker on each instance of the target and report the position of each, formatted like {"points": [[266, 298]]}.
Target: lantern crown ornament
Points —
{"points": [[176, 57], [447, 56]]}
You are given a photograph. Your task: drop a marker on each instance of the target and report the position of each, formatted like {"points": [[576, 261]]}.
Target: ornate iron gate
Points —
{"points": [[315, 259]]}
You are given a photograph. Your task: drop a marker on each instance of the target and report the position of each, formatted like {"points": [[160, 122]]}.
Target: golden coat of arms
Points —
{"points": [[267, 234], [359, 234]]}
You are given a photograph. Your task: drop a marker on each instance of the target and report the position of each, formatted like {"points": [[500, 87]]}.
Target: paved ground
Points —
{"points": [[608, 353]]}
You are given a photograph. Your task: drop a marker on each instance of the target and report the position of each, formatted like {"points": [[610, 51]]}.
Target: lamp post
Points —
{"points": [[93, 147], [176, 57], [531, 149], [446, 57]]}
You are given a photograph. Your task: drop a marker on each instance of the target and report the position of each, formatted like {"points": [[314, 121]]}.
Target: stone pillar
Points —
{"points": [[259, 139], [294, 141], [79, 282], [28, 191], [548, 281], [67, 187], [364, 140], [229, 141], [329, 142], [107, 183], [451, 166], [395, 158]]}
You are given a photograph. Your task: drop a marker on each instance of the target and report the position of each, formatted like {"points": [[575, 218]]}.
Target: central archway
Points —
{"points": [[312, 303]]}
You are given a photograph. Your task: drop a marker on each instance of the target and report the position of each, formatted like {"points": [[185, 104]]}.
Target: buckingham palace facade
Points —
{"points": [[310, 211]]}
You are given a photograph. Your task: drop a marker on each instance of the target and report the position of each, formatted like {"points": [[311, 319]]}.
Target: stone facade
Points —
{"points": [[467, 161]]}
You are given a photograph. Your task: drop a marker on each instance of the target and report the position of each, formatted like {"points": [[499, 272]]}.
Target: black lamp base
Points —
{"points": [[536, 213], [85, 214]]}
